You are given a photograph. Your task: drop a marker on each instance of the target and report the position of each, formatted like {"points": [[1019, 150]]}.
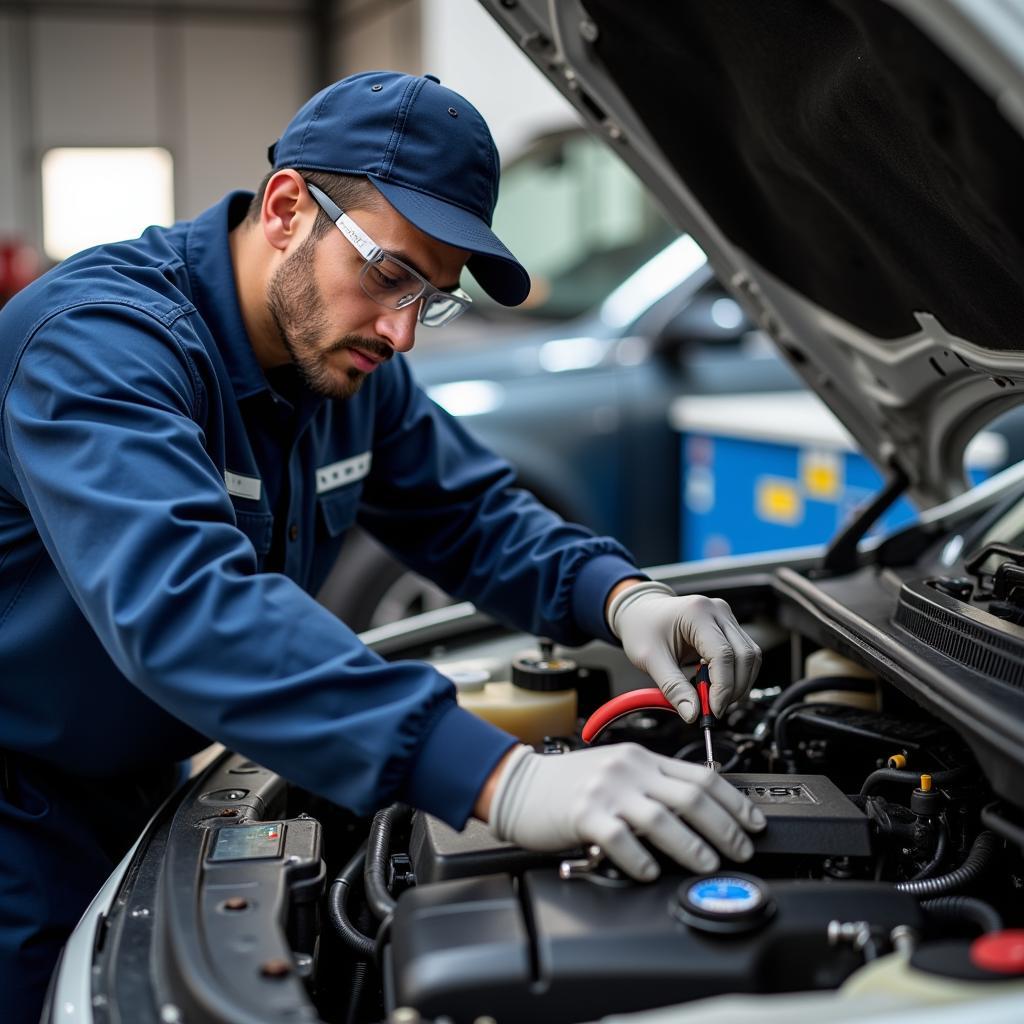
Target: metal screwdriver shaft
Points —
{"points": [[707, 719]]}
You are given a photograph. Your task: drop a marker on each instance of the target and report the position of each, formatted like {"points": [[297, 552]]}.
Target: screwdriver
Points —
{"points": [[707, 719]]}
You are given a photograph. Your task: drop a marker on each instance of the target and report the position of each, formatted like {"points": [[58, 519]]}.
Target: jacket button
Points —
{"points": [[293, 532]]}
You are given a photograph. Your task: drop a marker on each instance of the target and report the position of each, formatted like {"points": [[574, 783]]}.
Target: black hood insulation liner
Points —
{"points": [[841, 149]]}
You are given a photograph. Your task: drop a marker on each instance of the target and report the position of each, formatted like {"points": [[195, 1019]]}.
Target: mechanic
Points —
{"points": [[190, 421]]}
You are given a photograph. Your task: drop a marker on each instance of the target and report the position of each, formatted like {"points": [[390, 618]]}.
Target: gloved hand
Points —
{"points": [[659, 631], [610, 795]]}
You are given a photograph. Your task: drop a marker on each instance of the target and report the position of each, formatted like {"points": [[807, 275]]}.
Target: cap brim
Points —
{"points": [[499, 273]]}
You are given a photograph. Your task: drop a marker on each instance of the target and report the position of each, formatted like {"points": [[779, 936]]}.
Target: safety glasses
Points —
{"points": [[389, 281]]}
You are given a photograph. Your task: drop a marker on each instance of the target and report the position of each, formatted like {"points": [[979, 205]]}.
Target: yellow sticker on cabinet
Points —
{"points": [[779, 501], [821, 473]]}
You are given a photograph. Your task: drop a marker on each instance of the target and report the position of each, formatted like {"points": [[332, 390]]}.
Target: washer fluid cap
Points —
{"points": [[468, 676], [544, 673], [1000, 952], [469, 680]]}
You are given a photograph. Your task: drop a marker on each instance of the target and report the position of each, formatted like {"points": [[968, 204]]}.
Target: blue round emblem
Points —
{"points": [[725, 894]]}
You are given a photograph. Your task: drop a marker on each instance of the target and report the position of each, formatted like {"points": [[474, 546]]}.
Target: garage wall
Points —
{"points": [[213, 86], [215, 81], [372, 34], [467, 50]]}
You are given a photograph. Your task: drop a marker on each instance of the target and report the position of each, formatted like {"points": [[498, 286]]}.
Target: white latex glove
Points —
{"points": [[660, 631], [610, 795]]}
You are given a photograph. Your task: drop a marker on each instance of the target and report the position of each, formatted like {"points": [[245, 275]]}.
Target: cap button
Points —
{"points": [[433, 78]]}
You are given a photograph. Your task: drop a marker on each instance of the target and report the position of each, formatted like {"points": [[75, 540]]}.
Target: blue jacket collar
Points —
{"points": [[211, 274]]}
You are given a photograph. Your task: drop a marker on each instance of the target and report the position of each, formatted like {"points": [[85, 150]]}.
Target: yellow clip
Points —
{"points": [[926, 783], [897, 761]]}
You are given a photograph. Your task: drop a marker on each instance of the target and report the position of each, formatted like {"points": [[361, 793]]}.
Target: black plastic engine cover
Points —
{"points": [[543, 949], [807, 816]]}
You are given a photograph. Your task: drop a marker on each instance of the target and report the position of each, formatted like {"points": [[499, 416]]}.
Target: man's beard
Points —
{"points": [[296, 305]]}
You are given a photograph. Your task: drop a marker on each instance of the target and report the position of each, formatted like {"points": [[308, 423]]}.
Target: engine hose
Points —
{"points": [[378, 849], [982, 850], [939, 779], [782, 722], [1002, 826], [957, 909], [360, 973], [941, 841], [648, 699], [337, 906], [796, 692]]}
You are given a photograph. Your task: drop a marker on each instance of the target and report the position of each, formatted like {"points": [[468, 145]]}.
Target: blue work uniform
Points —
{"points": [[166, 510]]}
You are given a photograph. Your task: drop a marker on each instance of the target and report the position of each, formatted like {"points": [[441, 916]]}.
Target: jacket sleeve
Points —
{"points": [[102, 421], [449, 508]]}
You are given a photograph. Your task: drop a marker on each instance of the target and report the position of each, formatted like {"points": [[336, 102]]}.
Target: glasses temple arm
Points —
{"points": [[365, 246]]}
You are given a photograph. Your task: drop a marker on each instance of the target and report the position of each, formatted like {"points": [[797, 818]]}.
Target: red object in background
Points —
{"points": [[19, 266], [1001, 952]]}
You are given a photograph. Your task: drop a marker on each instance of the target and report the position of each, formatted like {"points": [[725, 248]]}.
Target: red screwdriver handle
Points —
{"points": [[703, 681]]}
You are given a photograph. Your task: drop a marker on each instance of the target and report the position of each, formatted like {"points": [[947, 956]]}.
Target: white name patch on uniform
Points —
{"points": [[348, 471], [243, 486]]}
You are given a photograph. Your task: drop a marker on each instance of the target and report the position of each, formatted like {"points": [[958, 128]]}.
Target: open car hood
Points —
{"points": [[854, 170]]}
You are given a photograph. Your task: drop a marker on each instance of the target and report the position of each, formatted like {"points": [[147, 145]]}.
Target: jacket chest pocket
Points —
{"points": [[259, 528], [338, 509]]}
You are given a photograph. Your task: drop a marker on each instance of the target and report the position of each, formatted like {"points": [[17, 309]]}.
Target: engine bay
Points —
{"points": [[891, 864]]}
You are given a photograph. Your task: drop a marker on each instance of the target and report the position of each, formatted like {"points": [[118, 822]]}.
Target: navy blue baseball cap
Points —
{"points": [[426, 149]]}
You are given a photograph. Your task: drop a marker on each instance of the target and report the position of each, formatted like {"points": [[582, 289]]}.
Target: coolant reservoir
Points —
{"points": [[828, 663], [897, 975], [825, 663], [538, 701]]}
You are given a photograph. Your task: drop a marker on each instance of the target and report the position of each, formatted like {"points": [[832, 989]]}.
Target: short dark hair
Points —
{"points": [[350, 192]]}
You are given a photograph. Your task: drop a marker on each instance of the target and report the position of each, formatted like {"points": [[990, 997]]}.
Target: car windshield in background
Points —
{"points": [[578, 219]]}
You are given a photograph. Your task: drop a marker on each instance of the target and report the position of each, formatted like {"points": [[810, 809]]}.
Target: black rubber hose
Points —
{"points": [[378, 850], [337, 906], [991, 817], [360, 972], [941, 842], [782, 722], [797, 691], [881, 775], [982, 850], [957, 909]]}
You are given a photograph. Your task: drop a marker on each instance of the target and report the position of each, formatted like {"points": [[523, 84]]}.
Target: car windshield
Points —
{"points": [[578, 219]]}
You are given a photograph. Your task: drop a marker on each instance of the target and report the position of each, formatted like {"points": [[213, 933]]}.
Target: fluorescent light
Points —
{"points": [[103, 195]]}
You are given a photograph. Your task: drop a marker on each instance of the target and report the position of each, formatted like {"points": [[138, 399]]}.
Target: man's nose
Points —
{"points": [[398, 326]]}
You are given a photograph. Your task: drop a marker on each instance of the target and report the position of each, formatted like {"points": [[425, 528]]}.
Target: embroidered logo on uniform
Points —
{"points": [[337, 474], [242, 486]]}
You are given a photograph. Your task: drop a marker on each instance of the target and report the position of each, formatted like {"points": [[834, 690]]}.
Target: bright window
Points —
{"points": [[103, 195]]}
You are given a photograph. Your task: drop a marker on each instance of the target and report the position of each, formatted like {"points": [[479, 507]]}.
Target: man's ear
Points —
{"points": [[287, 207]]}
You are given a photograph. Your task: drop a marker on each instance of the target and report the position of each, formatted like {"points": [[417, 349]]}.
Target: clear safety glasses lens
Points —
{"points": [[390, 282], [442, 308]]}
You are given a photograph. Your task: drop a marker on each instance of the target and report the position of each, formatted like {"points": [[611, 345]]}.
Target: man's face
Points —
{"points": [[332, 330]]}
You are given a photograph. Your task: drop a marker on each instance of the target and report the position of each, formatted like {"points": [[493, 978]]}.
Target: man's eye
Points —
{"points": [[382, 279]]}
